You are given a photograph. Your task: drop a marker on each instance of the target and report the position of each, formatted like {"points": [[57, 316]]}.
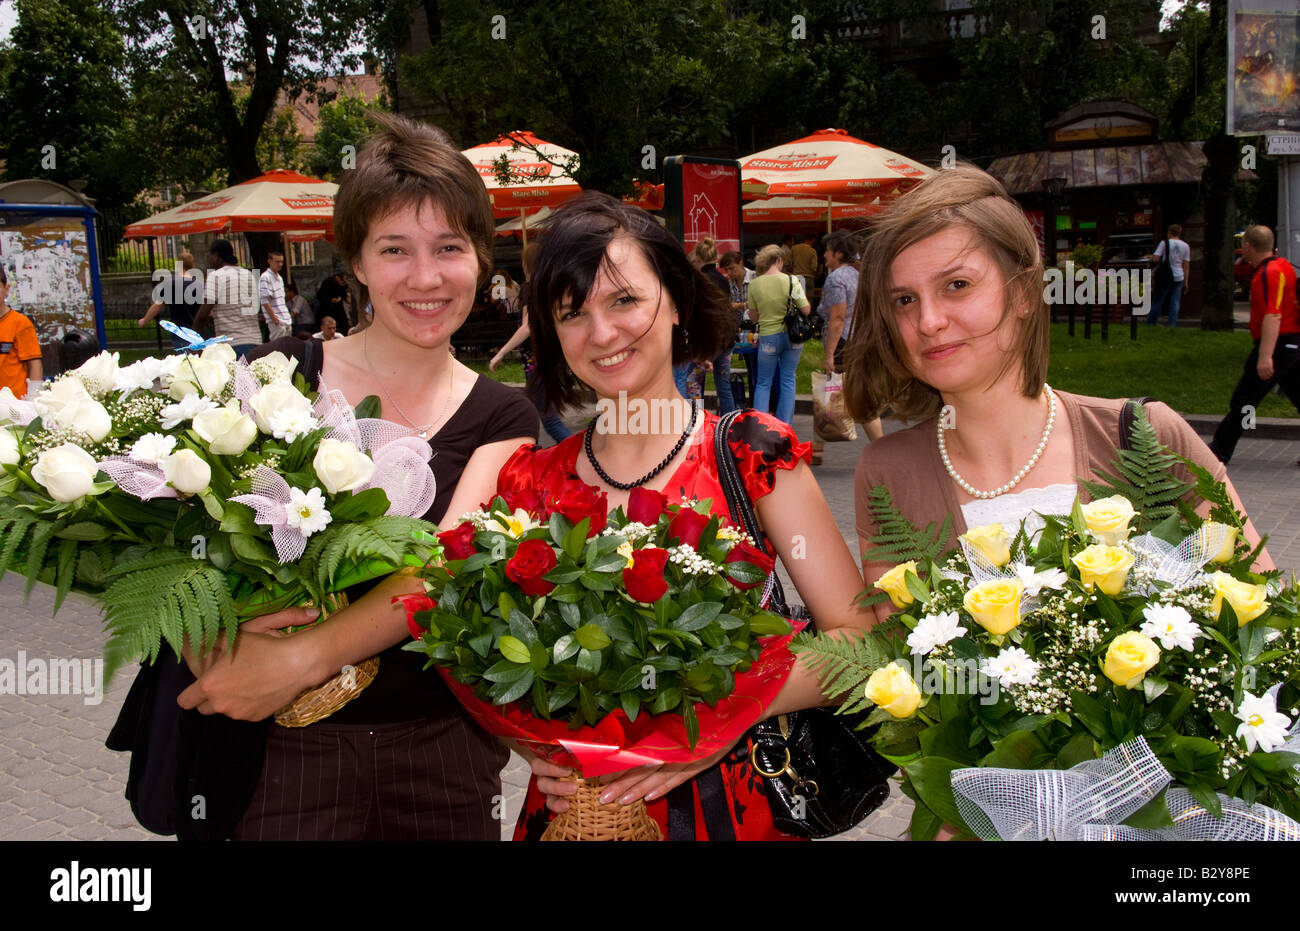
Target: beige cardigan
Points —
{"points": [[908, 463]]}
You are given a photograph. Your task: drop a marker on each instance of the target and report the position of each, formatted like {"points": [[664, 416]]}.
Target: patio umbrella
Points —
{"points": [[279, 200], [518, 225], [829, 164], [805, 209], [543, 184]]}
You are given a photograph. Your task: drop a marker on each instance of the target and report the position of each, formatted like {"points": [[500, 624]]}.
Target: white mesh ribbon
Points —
{"points": [[981, 570], [268, 500], [401, 459], [1055, 804], [17, 411], [143, 480], [1192, 822], [1179, 565], [246, 385], [1088, 802]]}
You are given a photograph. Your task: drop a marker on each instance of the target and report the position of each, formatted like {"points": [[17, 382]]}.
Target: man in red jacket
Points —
{"points": [[1275, 328]]}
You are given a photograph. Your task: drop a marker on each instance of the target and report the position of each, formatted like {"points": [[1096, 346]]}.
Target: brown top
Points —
{"points": [[908, 463]]}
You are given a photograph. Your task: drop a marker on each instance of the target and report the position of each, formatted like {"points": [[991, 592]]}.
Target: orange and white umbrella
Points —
{"points": [[830, 163], [279, 200], [541, 163], [519, 225], [804, 209]]}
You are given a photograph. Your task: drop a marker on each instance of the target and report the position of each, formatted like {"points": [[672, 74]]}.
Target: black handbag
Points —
{"points": [[800, 327], [821, 775], [1165, 270]]}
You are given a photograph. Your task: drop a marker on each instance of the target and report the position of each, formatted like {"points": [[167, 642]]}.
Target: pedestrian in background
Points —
{"points": [[185, 297], [20, 350], [270, 294], [706, 254], [1172, 275], [304, 320], [1275, 328], [770, 293], [804, 256], [230, 298]]}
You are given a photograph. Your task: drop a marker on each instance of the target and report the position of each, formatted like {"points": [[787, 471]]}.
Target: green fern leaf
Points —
{"points": [[842, 664], [898, 540], [15, 532], [66, 572], [1144, 475], [41, 538]]}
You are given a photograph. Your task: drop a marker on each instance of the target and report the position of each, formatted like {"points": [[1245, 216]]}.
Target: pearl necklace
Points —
{"points": [[1033, 460]]}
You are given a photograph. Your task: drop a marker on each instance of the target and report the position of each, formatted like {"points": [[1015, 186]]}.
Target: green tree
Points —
{"points": [[342, 122], [237, 56], [603, 77], [63, 111]]}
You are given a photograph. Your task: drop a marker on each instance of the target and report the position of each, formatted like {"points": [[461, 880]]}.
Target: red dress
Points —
{"points": [[761, 444]]}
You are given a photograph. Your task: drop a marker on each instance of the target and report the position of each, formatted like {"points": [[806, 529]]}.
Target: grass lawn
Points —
{"points": [[1193, 371]]}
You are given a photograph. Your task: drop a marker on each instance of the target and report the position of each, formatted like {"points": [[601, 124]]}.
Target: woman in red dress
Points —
{"points": [[613, 304]]}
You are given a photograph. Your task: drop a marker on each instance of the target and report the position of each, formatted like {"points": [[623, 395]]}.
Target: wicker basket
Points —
{"points": [[316, 704], [590, 819]]}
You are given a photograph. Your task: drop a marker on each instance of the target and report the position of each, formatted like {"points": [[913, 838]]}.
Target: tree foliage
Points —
{"points": [[343, 121]]}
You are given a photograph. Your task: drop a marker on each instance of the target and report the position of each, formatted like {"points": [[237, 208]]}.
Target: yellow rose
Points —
{"points": [[892, 688], [1128, 659], [625, 550], [1247, 600], [1104, 566], [893, 584], [1108, 519], [995, 604], [992, 541], [1229, 546]]}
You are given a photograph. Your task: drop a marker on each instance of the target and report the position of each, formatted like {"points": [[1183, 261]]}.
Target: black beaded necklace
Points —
{"points": [[628, 486]]}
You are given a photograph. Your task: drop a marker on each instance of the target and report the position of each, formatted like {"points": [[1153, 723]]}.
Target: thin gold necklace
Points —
{"points": [[422, 432]]}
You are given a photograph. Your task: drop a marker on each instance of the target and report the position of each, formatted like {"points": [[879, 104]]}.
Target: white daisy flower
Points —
{"points": [[173, 415], [1171, 625], [306, 511], [1013, 666], [1035, 582], [289, 423], [934, 630], [154, 448], [1262, 725]]}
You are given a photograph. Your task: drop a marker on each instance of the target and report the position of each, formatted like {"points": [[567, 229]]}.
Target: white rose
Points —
{"points": [[223, 353], [138, 376], [66, 472], [275, 367], [98, 374], [198, 375], [340, 466], [187, 472], [275, 397], [8, 447], [67, 405], [226, 431]]}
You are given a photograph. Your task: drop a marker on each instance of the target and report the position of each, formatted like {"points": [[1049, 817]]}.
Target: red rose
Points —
{"points": [[579, 500], [645, 506], [686, 526], [527, 498], [531, 561], [645, 580], [413, 603], [743, 552], [459, 541]]}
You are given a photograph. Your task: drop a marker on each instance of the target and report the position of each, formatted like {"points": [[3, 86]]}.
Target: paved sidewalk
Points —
{"points": [[57, 780]]}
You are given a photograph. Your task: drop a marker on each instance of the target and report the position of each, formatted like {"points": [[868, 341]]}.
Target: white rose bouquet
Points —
{"points": [[1127, 647], [193, 492]]}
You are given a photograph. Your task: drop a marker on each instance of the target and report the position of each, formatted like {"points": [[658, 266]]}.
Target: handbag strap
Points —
{"points": [[1128, 417], [740, 506]]}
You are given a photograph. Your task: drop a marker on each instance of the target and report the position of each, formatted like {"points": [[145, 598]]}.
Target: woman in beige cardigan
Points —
{"points": [[951, 328]]}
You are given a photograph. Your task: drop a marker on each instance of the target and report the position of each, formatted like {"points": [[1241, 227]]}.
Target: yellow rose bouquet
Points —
{"points": [[1127, 637]]}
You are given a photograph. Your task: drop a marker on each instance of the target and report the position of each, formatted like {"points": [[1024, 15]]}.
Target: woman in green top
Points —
{"points": [[769, 294]]}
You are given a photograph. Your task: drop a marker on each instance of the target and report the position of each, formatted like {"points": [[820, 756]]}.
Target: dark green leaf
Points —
{"points": [[698, 615]]}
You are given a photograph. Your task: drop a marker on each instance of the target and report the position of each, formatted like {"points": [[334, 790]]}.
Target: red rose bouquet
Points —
{"points": [[603, 641]]}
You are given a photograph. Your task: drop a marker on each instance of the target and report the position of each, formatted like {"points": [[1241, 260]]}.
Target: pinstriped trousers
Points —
{"points": [[431, 779]]}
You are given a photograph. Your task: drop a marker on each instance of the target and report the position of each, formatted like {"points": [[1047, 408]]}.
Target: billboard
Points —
{"points": [[1264, 67], [702, 199]]}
